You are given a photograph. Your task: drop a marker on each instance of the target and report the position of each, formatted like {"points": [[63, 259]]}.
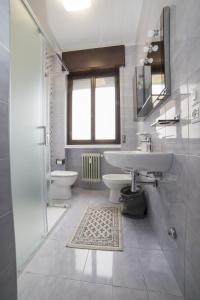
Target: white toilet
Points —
{"points": [[115, 182], [61, 182]]}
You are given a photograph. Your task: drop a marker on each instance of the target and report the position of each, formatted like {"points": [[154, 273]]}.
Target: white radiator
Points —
{"points": [[91, 167]]}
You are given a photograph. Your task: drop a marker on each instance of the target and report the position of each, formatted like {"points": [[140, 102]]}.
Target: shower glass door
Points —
{"points": [[27, 133]]}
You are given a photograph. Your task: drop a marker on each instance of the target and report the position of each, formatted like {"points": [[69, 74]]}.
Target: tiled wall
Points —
{"points": [[56, 91], [74, 163], [127, 89], [128, 125], [57, 118], [177, 201], [7, 243]]}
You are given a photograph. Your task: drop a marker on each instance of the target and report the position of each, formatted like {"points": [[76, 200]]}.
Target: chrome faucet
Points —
{"points": [[145, 142]]}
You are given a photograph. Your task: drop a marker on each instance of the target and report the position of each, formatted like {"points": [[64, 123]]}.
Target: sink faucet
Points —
{"points": [[145, 142]]}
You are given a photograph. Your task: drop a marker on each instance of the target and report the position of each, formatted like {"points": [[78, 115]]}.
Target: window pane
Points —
{"points": [[158, 84], [81, 109], [105, 108]]}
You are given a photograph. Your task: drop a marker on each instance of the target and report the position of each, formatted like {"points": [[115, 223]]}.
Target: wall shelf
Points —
{"points": [[168, 122]]}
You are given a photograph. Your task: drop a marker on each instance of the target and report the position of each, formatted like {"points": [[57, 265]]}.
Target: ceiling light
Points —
{"points": [[76, 5]]}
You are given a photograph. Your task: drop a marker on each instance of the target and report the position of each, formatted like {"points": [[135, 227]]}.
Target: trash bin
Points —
{"points": [[134, 203]]}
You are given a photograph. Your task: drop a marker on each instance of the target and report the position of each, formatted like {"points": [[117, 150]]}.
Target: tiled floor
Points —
{"points": [[53, 215], [140, 272]]}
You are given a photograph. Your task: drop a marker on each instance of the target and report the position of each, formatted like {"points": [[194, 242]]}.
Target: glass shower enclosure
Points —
{"points": [[27, 133]]}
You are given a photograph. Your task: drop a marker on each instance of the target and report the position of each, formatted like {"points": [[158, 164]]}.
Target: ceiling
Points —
{"points": [[105, 23]]}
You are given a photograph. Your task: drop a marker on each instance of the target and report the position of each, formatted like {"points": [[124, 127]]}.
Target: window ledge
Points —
{"points": [[93, 146]]}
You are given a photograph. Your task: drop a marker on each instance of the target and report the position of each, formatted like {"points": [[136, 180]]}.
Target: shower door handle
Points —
{"points": [[45, 136]]}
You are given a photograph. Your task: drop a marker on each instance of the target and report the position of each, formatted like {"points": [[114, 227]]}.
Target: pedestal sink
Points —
{"points": [[137, 160]]}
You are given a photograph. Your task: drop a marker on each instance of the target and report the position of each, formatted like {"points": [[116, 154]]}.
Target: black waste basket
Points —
{"points": [[134, 203]]}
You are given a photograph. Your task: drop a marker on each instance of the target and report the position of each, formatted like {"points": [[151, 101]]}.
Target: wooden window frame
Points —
{"points": [[93, 76]]}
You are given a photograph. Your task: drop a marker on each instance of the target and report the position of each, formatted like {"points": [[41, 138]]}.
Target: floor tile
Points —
{"points": [[53, 215], [89, 291], [61, 273], [35, 287], [120, 293], [127, 271], [41, 287], [66, 289], [99, 267], [146, 237], [64, 231], [54, 258], [129, 234], [161, 296], [158, 275]]}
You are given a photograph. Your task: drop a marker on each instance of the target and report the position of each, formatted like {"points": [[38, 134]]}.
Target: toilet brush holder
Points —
{"points": [[134, 203]]}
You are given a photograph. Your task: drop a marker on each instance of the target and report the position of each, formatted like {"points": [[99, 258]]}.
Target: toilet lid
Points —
{"points": [[63, 173]]}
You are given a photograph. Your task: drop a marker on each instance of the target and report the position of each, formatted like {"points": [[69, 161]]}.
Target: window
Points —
{"points": [[93, 109]]}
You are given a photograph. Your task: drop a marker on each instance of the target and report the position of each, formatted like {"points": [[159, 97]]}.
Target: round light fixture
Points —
{"points": [[155, 48], [77, 5], [146, 48], [150, 60], [151, 48]]}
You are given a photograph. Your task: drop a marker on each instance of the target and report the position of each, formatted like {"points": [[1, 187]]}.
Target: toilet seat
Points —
{"points": [[117, 177], [63, 173]]}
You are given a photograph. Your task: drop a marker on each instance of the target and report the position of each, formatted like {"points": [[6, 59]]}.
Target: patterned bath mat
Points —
{"points": [[99, 229]]}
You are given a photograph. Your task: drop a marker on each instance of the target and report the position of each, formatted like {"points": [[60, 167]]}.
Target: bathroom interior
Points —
{"points": [[99, 149]]}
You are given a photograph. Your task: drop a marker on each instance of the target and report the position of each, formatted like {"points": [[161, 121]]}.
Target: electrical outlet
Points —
{"points": [[123, 138]]}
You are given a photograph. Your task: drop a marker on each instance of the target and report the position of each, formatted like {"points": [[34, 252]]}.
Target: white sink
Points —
{"points": [[137, 160]]}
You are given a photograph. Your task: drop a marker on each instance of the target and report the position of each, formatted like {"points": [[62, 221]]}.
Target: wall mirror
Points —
{"points": [[153, 77]]}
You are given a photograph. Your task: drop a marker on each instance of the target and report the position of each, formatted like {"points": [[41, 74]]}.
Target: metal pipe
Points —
{"points": [[153, 183], [134, 175]]}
